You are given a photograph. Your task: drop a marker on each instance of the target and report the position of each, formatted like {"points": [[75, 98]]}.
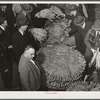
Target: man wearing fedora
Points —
{"points": [[75, 9], [26, 13], [20, 39], [83, 26]]}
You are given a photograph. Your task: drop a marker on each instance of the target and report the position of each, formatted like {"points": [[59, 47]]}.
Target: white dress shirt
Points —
{"points": [[34, 64]]}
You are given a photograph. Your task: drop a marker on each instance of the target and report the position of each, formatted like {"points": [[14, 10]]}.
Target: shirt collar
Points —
{"points": [[35, 5], [83, 26], [74, 12], [24, 13], [34, 63], [3, 9], [2, 27], [21, 32]]}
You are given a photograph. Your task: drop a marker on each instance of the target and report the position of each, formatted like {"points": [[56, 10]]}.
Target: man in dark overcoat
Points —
{"points": [[5, 45], [20, 38], [82, 29]]}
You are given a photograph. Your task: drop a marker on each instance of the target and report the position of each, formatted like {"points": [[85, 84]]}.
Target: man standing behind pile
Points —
{"points": [[29, 71]]}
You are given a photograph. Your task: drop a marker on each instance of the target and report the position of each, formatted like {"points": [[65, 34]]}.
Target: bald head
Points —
{"points": [[29, 52]]}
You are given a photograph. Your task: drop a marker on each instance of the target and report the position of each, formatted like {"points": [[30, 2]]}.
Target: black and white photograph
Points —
{"points": [[49, 47]]}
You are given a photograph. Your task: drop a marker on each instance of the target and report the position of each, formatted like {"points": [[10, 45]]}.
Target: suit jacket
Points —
{"points": [[4, 56], [9, 17], [80, 36], [19, 43], [29, 74]]}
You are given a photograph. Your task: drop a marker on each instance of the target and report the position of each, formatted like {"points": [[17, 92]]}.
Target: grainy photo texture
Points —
{"points": [[49, 47]]}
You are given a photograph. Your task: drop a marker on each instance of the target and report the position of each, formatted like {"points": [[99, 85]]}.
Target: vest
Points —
{"points": [[94, 39]]}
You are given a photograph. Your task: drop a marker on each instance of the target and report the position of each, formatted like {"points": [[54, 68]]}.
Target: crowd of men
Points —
{"points": [[15, 39], [15, 20]]}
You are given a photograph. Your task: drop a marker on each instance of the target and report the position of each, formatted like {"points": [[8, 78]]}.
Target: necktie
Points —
{"points": [[28, 17]]}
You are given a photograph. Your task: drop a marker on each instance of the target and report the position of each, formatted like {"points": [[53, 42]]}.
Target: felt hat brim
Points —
{"points": [[27, 10], [79, 23]]}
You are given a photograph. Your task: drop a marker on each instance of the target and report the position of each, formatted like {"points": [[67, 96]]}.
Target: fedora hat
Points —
{"points": [[79, 20], [21, 22], [72, 7], [96, 25], [27, 8]]}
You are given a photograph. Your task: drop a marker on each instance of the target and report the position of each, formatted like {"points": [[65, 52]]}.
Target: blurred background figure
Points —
{"points": [[83, 26], [16, 8], [5, 66]]}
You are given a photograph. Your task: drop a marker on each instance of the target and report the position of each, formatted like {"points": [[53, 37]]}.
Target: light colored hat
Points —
{"points": [[79, 20], [27, 7]]}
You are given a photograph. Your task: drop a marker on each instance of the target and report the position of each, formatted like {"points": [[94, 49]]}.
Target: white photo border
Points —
{"points": [[49, 94]]}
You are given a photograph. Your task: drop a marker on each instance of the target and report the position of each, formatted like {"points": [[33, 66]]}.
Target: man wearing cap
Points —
{"points": [[83, 26], [5, 45], [19, 39]]}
